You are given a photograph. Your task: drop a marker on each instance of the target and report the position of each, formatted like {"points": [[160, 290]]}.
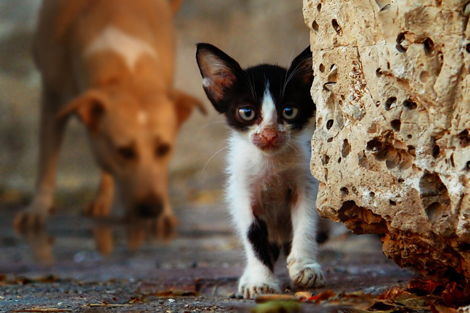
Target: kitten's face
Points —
{"points": [[267, 104]]}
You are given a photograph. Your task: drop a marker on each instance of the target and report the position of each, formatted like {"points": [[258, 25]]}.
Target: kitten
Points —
{"points": [[271, 193]]}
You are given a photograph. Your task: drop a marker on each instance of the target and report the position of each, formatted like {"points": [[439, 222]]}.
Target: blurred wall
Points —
{"points": [[251, 31]]}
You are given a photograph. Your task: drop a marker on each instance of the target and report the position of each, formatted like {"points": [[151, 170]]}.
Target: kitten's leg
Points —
{"points": [[304, 269], [258, 277]]}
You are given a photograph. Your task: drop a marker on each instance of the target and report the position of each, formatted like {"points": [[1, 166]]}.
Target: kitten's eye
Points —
{"points": [[246, 114], [290, 112]]}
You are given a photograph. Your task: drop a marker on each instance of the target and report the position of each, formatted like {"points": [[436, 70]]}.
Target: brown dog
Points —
{"points": [[111, 63]]}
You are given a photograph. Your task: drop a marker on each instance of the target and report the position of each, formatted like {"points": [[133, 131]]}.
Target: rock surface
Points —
{"points": [[392, 145]]}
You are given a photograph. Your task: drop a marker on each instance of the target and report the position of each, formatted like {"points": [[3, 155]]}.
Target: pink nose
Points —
{"points": [[270, 135]]}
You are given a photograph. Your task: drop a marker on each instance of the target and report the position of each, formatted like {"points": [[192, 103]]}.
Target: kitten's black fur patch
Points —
{"points": [[267, 252], [235, 88]]}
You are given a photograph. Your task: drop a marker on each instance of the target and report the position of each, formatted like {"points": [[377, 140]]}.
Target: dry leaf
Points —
{"points": [[275, 297], [303, 295]]}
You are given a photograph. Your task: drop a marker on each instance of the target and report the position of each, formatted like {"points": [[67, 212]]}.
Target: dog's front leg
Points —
{"points": [[50, 140], [101, 205], [302, 263]]}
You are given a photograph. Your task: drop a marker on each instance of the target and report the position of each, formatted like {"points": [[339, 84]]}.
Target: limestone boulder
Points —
{"points": [[392, 146]]}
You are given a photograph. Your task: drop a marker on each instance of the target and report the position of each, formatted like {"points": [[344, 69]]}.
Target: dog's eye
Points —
{"points": [[127, 153], [247, 114], [162, 150], [290, 112]]}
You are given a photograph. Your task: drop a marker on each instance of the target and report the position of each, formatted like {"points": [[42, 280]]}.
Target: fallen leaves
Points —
{"points": [[419, 295]]}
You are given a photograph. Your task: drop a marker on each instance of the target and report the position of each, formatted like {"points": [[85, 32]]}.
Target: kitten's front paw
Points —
{"points": [[252, 284], [306, 275]]}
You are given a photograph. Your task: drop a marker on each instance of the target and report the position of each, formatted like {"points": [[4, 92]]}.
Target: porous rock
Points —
{"points": [[392, 146]]}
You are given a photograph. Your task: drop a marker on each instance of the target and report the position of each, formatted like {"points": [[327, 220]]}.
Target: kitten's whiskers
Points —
{"points": [[203, 169]]}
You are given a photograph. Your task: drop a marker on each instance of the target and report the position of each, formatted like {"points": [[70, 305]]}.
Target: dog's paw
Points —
{"points": [[165, 227], [100, 207], [252, 284], [306, 275], [30, 218]]}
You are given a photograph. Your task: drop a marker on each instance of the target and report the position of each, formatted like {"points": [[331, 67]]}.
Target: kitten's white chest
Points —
{"points": [[267, 183]]}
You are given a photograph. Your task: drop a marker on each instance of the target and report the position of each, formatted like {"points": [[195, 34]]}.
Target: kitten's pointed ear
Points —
{"points": [[301, 67], [219, 73]]}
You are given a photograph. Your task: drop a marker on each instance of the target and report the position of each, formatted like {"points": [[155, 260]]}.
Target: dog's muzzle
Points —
{"points": [[150, 207]]}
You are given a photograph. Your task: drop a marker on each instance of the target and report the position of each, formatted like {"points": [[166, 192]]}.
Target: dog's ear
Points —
{"points": [[90, 108], [301, 68], [219, 72], [185, 104]]}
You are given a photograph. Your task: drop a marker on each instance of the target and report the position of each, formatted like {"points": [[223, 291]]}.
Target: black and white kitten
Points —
{"points": [[271, 193]]}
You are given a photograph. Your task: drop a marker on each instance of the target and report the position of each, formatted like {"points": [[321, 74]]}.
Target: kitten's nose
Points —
{"points": [[270, 135]]}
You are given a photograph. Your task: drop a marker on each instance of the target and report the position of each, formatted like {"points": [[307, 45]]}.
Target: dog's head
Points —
{"points": [[132, 138]]}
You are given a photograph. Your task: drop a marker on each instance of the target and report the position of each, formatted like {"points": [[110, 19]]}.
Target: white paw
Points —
{"points": [[252, 284], [306, 275]]}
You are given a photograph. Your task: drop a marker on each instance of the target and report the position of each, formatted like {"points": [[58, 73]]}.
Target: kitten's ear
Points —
{"points": [[219, 73], [301, 68]]}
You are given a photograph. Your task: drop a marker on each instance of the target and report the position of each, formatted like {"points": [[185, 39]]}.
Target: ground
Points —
{"points": [[196, 272]]}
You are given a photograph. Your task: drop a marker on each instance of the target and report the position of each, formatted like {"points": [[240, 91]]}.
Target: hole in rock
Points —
{"points": [[378, 72], [328, 86], [396, 124], [336, 27], [374, 145], [329, 139], [428, 46], [452, 160], [464, 246], [383, 4], [372, 194], [412, 150], [409, 136], [393, 162], [346, 148], [401, 180], [400, 42], [390, 101], [467, 47], [467, 166], [319, 7], [424, 76], [435, 151], [339, 160], [361, 220], [464, 138], [322, 68], [434, 194], [440, 57], [329, 124], [434, 211], [409, 104], [344, 191], [315, 26], [392, 202]]}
